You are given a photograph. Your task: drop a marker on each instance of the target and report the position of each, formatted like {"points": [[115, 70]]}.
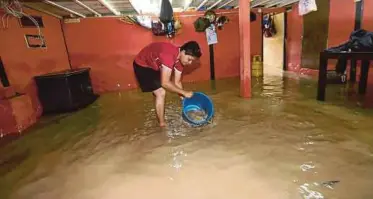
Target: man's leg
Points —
{"points": [[160, 96]]}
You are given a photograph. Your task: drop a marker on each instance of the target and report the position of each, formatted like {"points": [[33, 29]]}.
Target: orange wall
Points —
{"points": [[22, 63], [367, 22], [294, 39], [341, 24], [109, 46], [341, 21]]}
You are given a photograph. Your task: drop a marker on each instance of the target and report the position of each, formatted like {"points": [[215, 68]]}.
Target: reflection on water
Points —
{"points": [[282, 143]]}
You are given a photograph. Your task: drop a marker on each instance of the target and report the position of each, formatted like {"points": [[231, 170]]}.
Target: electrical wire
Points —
{"points": [[6, 17], [14, 8]]}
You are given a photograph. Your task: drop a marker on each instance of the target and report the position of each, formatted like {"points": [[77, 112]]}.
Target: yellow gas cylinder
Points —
{"points": [[257, 66]]}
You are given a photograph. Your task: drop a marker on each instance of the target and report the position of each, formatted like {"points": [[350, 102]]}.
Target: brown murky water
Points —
{"points": [[281, 144]]}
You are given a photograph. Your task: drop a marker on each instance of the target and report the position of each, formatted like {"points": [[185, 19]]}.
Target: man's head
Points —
{"points": [[189, 52]]}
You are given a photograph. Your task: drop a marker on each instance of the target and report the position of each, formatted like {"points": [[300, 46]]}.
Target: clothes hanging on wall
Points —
{"points": [[269, 28]]}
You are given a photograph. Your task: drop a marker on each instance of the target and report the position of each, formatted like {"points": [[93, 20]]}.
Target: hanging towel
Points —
{"points": [[307, 6]]}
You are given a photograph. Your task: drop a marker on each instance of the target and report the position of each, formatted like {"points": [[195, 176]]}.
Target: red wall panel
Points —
{"points": [[367, 21], [109, 46], [294, 39], [341, 21], [22, 64]]}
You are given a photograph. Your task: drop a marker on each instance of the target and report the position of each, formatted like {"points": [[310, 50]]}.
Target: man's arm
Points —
{"points": [[167, 84], [177, 79]]}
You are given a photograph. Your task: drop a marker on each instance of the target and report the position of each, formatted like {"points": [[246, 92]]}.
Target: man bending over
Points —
{"points": [[153, 68]]}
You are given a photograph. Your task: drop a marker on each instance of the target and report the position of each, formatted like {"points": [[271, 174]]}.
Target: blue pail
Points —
{"points": [[200, 104]]}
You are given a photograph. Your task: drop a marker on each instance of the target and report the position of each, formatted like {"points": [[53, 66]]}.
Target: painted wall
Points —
{"points": [[341, 21], [367, 22], [109, 46], [341, 24], [294, 39], [22, 64]]}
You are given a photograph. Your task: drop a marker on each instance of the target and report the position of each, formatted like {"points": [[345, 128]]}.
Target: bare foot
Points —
{"points": [[162, 124]]}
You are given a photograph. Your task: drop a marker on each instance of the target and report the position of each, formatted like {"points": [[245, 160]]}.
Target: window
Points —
{"points": [[28, 23], [35, 41]]}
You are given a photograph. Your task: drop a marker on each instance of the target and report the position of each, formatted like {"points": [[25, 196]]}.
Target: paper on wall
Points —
{"points": [[211, 35], [307, 6]]}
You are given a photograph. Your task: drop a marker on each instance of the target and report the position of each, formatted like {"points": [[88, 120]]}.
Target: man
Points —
{"points": [[153, 68]]}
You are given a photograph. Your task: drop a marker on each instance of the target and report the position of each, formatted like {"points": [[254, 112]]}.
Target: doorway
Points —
{"points": [[273, 46]]}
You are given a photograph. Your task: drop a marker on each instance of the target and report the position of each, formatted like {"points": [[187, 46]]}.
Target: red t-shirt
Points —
{"points": [[157, 54]]}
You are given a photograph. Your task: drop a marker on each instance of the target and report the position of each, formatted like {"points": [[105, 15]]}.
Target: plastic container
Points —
{"points": [[198, 103]]}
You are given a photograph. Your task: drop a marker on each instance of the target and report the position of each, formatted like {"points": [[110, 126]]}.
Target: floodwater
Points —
{"points": [[280, 144]]}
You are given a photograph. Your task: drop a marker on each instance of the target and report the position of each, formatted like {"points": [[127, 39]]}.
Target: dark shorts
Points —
{"points": [[149, 80]]}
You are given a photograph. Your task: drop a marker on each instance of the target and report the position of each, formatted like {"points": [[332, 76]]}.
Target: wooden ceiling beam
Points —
{"points": [[226, 3], [87, 7], [109, 7], [64, 8]]}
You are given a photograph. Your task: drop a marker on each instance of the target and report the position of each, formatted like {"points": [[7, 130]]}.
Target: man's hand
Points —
{"points": [[188, 94]]}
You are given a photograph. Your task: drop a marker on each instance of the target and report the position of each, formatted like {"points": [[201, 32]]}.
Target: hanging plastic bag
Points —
{"points": [[307, 6], [201, 24], [158, 28], [167, 13], [144, 21], [221, 21]]}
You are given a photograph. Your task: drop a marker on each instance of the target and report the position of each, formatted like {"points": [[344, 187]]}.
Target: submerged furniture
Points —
{"points": [[65, 91], [365, 57], [201, 103]]}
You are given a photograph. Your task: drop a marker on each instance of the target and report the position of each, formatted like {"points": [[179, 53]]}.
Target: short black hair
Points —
{"points": [[191, 48]]}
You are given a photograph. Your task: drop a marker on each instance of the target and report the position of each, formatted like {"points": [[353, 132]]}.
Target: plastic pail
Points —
{"points": [[198, 102]]}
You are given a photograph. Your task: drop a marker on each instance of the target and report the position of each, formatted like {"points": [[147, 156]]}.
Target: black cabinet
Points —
{"points": [[65, 91]]}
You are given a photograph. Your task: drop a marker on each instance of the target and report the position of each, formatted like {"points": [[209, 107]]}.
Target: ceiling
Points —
{"points": [[97, 8]]}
